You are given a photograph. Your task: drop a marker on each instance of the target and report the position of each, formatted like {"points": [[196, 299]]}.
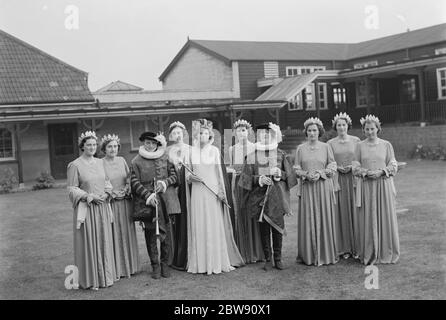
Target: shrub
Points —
{"points": [[44, 181], [8, 180], [422, 152]]}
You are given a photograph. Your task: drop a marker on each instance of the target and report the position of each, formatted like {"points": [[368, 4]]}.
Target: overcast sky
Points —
{"points": [[134, 40]]}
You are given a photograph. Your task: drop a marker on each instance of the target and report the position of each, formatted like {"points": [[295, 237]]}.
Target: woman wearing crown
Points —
{"points": [[124, 233], [93, 236], [246, 231], [315, 166], [211, 245], [179, 153], [343, 147], [374, 166]]}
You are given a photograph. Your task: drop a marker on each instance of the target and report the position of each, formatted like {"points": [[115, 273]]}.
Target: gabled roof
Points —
{"points": [[119, 86], [294, 51], [29, 75]]}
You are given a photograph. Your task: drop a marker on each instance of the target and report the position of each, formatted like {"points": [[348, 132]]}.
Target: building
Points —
{"points": [[45, 103]]}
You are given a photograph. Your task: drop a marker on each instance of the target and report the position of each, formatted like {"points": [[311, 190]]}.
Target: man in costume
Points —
{"points": [[269, 176], [153, 174]]}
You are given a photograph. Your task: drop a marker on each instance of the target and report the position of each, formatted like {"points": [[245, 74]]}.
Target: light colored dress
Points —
{"points": [[347, 222], [93, 240], [317, 213], [211, 245], [375, 199], [124, 232], [247, 229]]}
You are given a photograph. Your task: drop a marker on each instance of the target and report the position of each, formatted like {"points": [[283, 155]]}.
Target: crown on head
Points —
{"points": [[370, 118], [110, 137], [87, 134], [242, 123], [203, 123], [177, 124], [312, 120], [341, 115]]}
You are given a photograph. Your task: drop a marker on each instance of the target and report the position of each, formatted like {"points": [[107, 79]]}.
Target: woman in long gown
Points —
{"points": [[211, 245], [179, 153], [343, 147], [92, 219], [375, 166], [124, 232], [315, 165], [247, 229]]}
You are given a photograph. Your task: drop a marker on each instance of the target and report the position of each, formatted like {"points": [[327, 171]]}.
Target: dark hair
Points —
{"points": [[319, 127], [104, 145], [377, 125], [349, 125], [82, 142]]}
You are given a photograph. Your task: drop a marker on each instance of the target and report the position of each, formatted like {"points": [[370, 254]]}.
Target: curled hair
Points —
{"points": [[349, 124], [319, 127]]}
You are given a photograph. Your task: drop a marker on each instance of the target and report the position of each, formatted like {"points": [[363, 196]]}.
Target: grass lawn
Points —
{"points": [[36, 244]]}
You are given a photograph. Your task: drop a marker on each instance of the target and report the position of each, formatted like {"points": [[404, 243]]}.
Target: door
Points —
{"points": [[63, 147]]}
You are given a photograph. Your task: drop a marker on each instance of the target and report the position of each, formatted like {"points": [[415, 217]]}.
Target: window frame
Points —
{"points": [[365, 64], [13, 147], [439, 86], [372, 97], [146, 128], [300, 68]]}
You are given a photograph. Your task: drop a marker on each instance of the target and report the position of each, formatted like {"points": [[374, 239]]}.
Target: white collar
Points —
{"points": [[151, 154]]}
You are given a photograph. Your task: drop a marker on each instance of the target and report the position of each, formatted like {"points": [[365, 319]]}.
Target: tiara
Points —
{"points": [[341, 115], [110, 137], [313, 121], [370, 118], [203, 123], [87, 134], [242, 123], [177, 124]]}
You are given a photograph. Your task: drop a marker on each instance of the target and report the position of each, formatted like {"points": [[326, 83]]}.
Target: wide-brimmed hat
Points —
{"points": [[157, 137]]}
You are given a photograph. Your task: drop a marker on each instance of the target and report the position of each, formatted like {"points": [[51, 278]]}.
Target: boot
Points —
{"points": [[156, 273], [278, 265], [268, 266], [165, 270]]}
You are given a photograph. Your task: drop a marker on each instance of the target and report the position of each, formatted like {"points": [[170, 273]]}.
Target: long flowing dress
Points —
{"points": [[247, 228], [92, 224], [375, 199], [124, 232], [347, 222], [180, 152], [211, 244], [317, 238]]}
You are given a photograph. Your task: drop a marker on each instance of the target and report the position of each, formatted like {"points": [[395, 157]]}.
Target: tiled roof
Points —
{"points": [[293, 51], [29, 75], [119, 86]]}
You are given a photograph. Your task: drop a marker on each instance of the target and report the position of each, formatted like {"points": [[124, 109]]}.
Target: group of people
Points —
{"points": [[211, 217]]}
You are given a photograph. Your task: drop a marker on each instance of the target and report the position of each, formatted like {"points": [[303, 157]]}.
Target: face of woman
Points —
{"points": [[341, 127], [111, 150], [150, 145], [204, 136], [370, 130], [90, 147], [177, 134], [313, 132], [242, 133]]}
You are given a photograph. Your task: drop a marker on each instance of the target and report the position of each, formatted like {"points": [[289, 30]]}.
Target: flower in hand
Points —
{"points": [[264, 180], [313, 176], [375, 174]]}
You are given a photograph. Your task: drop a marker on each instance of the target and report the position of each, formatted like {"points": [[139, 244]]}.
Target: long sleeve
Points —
{"points": [[331, 167], [247, 177], [392, 166], [171, 175], [127, 179], [138, 189], [76, 194], [357, 170], [298, 163]]}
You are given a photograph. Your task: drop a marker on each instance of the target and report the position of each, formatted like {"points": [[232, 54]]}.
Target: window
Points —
{"points": [[338, 96], [367, 64], [361, 94], [298, 70], [296, 102], [7, 151], [409, 90], [322, 91], [440, 51], [441, 83], [271, 69], [309, 103], [136, 128]]}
